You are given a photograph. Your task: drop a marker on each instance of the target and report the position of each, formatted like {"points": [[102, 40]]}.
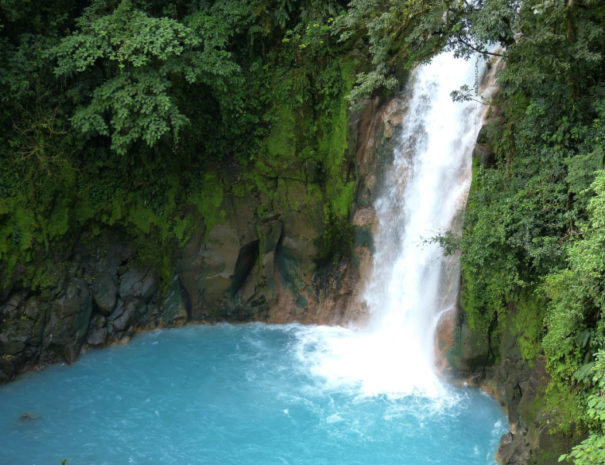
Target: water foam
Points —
{"points": [[412, 283]]}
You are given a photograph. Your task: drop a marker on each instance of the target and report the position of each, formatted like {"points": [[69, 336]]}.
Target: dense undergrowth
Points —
{"points": [[533, 245], [142, 115]]}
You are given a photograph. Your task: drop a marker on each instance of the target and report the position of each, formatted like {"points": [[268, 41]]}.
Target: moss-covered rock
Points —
{"points": [[288, 240], [500, 350]]}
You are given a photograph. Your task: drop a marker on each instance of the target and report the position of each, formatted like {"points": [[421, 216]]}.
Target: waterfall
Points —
{"points": [[423, 193], [293, 394]]}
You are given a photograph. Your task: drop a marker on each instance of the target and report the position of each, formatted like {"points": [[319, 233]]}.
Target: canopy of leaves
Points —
{"points": [[136, 59], [398, 34]]}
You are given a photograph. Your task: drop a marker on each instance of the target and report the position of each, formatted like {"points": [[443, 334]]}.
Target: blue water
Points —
{"points": [[225, 395]]}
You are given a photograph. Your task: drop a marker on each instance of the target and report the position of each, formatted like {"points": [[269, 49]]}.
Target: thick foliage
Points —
{"points": [[591, 451], [399, 35], [132, 60], [140, 115], [576, 318], [534, 224]]}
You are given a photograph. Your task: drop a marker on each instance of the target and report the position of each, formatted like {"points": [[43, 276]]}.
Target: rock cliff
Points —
{"points": [[248, 267]]}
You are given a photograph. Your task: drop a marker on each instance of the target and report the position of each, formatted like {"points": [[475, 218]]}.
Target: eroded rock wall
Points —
{"points": [[495, 364], [248, 267]]}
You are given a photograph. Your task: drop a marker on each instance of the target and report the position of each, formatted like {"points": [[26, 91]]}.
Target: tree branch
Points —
{"points": [[483, 52]]}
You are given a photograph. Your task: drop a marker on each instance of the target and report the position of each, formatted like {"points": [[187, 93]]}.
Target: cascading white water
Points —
{"points": [[423, 192], [242, 393]]}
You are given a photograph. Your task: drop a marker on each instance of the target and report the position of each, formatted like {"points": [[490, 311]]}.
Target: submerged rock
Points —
{"points": [[28, 417]]}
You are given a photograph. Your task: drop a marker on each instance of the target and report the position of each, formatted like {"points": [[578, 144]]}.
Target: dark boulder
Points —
{"points": [[97, 334], [68, 321], [137, 284], [105, 292], [127, 315]]}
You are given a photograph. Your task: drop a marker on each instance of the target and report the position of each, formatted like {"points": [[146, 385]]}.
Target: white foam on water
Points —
{"points": [[423, 193]]}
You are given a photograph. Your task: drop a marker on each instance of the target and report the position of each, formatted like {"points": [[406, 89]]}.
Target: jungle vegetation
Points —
{"points": [[133, 114]]}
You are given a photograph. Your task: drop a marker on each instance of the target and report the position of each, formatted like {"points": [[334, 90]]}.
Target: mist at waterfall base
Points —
{"points": [[291, 394]]}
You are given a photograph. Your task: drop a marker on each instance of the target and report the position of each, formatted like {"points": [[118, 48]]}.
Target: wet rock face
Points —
{"points": [[494, 363], [206, 267], [67, 324], [137, 284], [97, 335], [176, 307], [22, 323], [231, 275], [105, 292], [258, 264], [98, 295], [512, 450]]}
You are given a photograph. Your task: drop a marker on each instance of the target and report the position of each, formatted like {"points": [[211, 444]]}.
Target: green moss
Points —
{"points": [[208, 199], [286, 145], [58, 223], [343, 200], [561, 407], [46, 274], [142, 217], [527, 323], [334, 146], [336, 241], [281, 143]]}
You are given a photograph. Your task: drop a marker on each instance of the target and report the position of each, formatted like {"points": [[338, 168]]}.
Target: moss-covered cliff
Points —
{"points": [[530, 325], [262, 260], [533, 262], [166, 163], [161, 163]]}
